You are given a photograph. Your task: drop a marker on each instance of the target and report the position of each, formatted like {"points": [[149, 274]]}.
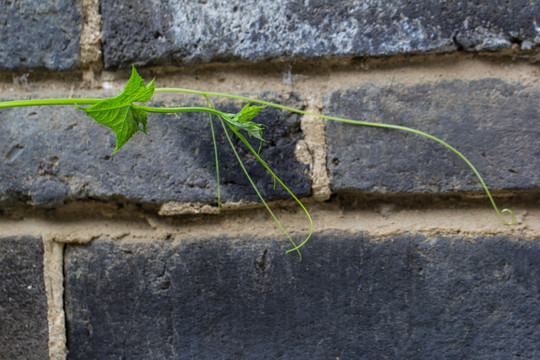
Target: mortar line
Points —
{"points": [[381, 220], [321, 74], [53, 274], [315, 137], [90, 42]]}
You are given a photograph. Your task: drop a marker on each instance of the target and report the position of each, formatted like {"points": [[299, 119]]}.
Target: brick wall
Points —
{"points": [[128, 256]]}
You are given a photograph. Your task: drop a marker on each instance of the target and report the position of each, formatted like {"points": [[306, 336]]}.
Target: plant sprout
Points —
{"points": [[125, 118]]}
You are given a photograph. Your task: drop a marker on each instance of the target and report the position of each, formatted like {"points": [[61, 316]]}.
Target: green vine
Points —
{"points": [[125, 118]]}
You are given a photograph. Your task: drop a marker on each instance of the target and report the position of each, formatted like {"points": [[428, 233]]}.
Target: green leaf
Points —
{"points": [[242, 121], [118, 112]]}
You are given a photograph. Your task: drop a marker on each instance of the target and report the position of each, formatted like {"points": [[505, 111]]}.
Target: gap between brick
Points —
{"points": [[53, 274]]}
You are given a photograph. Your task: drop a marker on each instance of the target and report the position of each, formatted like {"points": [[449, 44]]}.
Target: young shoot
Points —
{"points": [[125, 118]]}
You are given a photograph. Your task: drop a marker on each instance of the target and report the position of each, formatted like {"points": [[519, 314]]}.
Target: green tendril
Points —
{"points": [[211, 105], [361, 123], [243, 139], [296, 247]]}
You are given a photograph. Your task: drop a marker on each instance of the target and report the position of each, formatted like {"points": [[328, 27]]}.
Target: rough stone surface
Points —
{"points": [[23, 302], [404, 297], [493, 123], [186, 31], [40, 34], [58, 153]]}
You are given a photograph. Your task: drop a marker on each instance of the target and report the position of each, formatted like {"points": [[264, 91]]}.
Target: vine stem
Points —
{"points": [[43, 102], [361, 123], [90, 101], [47, 102]]}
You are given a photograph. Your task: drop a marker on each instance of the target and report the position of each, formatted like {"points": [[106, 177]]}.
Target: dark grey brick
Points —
{"points": [[40, 34], [403, 297], [23, 303], [186, 31], [58, 153], [493, 123]]}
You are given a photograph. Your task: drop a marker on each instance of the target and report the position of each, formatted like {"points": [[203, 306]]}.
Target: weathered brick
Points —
{"points": [[403, 297], [492, 122], [55, 154], [40, 34], [23, 303], [185, 31]]}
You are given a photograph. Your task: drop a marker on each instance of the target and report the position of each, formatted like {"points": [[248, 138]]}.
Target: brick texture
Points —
{"points": [[493, 123], [58, 154], [40, 34], [184, 31], [23, 303], [404, 297]]}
